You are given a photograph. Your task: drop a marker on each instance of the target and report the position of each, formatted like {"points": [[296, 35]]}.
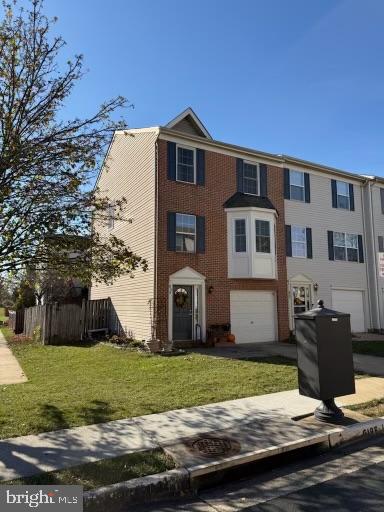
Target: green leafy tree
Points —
{"points": [[48, 163]]}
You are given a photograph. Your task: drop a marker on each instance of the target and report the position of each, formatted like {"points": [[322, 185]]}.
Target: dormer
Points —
{"points": [[188, 122]]}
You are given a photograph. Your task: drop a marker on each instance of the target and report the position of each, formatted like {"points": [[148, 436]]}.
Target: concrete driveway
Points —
{"points": [[370, 365]]}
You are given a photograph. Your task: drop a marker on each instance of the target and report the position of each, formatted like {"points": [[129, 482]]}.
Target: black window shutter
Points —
{"points": [[200, 166], [381, 243], [307, 188], [331, 251], [263, 180], [171, 231], [288, 240], [351, 198], [287, 184], [361, 251], [309, 242], [171, 153], [334, 194], [240, 174], [382, 199], [200, 233]]}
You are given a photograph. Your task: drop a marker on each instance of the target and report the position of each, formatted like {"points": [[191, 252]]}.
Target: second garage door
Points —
{"points": [[350, 301], [253, 316]]}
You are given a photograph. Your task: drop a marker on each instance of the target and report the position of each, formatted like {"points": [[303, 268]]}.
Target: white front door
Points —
{"points": [[253, 316], [350, 301]]}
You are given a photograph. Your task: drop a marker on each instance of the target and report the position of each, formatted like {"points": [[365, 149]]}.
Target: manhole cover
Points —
{"points": [[214, 446]]}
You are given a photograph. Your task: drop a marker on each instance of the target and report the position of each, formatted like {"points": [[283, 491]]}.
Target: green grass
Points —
{"points": [[74, 385], [374, 408], [103, 472], [3, 318], [372, 348]]}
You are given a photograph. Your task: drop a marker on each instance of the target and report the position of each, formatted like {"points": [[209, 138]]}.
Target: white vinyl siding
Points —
{"points": [[131, 173]]}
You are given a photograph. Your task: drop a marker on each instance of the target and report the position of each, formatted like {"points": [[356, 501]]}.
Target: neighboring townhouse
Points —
{"points": [[325, 237], [373, 198], [232, 236]]}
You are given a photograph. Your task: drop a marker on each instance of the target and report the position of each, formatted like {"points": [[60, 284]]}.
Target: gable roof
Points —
{"points": [[189, 122]]}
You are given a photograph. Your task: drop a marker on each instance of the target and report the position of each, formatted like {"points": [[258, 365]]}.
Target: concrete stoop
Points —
{"points": [[201, 458]]}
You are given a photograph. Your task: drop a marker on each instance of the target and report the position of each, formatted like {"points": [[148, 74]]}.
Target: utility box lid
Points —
{"points": [[320, 311]]}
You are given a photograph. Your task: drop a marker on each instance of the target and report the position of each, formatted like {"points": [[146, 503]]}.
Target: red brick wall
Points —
{"points": [[220, 184]]}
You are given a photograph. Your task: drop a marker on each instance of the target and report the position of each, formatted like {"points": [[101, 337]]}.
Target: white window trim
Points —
{"points": [[194, 163], [186, 233], [343, 195], [299, 242], [257, 165], [346, 260], [242, 253], [270, 237], [294, 185]]}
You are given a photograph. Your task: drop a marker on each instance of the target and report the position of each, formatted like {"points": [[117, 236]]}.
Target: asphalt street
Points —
{"points": [[349, 479]]}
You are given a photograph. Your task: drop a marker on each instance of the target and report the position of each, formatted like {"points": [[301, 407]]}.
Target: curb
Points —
{"points": [[174, 482], [183, 481], [357, 432]]}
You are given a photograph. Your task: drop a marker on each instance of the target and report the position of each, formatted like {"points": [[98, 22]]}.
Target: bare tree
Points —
{"points": [[47, 163]]}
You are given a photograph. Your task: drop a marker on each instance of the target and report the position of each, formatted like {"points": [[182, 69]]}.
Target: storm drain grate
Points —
{"points": [[214, 446]]}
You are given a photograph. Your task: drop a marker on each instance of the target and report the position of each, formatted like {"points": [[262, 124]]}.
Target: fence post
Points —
{"points": [[83, 319]]}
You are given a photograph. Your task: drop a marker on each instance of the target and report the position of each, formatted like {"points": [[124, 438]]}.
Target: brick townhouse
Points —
{"points": [[232, 236]]}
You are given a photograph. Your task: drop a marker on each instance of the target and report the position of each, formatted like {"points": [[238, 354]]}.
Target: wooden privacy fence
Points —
{"points": [[62, 323]]}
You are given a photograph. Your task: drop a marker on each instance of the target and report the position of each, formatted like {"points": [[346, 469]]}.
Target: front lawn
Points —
{"points": [[372, 348], [78, 385], [374, 408]]}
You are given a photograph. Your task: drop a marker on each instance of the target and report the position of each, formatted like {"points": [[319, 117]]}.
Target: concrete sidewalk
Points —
{"points": [[10, 370], [259, 422]]}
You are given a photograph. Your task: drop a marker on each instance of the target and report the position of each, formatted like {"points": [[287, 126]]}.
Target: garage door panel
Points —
{"points": [[350, 301], [253, 316]]}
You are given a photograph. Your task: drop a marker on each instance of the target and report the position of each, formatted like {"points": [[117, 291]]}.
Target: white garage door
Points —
{"points": [[253, 316], [350, 302]]}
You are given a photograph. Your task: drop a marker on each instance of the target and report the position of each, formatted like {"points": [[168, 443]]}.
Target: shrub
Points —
{"points": [[125, 341]]}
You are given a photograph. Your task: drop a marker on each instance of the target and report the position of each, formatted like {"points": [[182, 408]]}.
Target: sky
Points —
{"points": [[300, 77]]}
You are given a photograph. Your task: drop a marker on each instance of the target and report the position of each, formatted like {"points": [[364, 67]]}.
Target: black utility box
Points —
{"points": [[324, 353]]}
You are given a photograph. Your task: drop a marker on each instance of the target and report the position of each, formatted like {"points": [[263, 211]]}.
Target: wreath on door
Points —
{"points": [[181, 298]]}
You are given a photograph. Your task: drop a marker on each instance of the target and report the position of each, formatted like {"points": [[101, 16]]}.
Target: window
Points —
{"points": [[297, 187], [185, 232], [185, 164], [299, 242], [263, 236], [111, 216], [251, 179], [240, 236], [343, 199], [346, 247]]}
